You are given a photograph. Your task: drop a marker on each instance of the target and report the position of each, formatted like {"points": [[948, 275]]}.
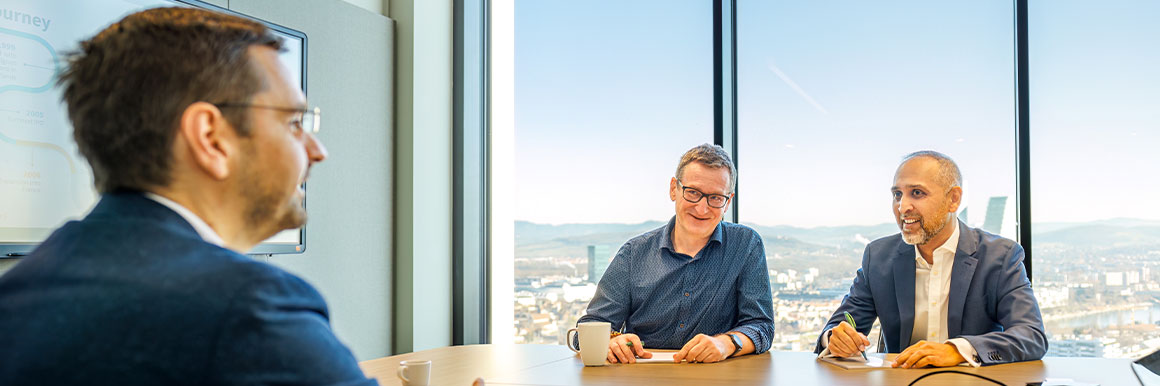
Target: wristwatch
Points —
{"points": [[737, 345]]}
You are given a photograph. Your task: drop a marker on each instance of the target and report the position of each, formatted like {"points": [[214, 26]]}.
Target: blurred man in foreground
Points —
{"points": [[199, 143]]}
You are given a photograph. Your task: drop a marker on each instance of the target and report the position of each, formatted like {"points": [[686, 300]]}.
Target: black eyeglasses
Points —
{"points": [[308, 119], [694, 196]]}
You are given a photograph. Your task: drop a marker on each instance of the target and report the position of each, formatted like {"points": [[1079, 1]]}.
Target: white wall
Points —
{"points": [[375, 6], [423, 174]]}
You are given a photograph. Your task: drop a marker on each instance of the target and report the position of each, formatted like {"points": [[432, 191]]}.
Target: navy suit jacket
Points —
{"points": [[991, 304], [131, 295]]}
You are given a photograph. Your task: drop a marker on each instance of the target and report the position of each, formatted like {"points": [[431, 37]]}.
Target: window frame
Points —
{"points": [[471, 212]]}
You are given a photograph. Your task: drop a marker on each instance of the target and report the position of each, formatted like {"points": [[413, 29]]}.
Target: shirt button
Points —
{"points": [[934, 273], [686, 294], [682, 325], [933, 303]]}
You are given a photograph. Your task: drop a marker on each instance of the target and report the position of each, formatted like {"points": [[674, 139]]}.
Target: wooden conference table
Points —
{"points": [[557, 365]]}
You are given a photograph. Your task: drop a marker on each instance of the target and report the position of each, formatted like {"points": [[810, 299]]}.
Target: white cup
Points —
{"points": [[415, 373], [593, 339]]}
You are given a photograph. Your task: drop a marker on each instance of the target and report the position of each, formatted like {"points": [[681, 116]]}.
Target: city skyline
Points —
{"points": [[1091, 306]]}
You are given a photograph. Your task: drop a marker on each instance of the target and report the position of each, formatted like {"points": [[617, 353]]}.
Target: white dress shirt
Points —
{"points": [[932, 287], [198, 224]]}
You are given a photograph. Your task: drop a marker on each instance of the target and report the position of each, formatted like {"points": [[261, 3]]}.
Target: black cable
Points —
{"points": [[954, 372]]}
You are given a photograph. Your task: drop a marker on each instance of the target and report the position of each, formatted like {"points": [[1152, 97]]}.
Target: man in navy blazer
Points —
{"points": [[944, 293], [199, 142]]}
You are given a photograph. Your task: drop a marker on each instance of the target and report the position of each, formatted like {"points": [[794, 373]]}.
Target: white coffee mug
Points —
{"points": [[415, 373], [593, 339]]}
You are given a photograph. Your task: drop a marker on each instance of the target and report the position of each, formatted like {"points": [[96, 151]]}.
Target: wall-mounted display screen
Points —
{"points": [[44, 181]]}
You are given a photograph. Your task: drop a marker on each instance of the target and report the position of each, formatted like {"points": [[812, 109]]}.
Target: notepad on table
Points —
{"points": [[856, 362], [658, 357]]}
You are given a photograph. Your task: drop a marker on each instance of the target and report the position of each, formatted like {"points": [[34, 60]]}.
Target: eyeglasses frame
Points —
{"points": [[703, 196], [315, 112]]}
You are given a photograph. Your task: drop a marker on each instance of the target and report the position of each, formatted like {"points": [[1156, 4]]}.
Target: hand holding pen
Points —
{"points": [[850, 319], [625, 348], [845, 340]]}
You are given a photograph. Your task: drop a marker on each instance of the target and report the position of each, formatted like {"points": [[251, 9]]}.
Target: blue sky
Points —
{"points": [[831, 95]]}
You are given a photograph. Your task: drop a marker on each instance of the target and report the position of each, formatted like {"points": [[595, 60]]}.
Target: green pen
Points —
{"points": [[850, 319]]}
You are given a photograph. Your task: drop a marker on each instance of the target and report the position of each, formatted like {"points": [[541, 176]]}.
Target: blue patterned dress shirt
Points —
{"points": [[667, 298]]}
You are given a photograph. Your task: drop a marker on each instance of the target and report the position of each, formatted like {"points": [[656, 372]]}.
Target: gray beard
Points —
{"points": [[922, 237]]}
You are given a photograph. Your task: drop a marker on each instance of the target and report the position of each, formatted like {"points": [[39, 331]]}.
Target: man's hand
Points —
{"points": [[925, 353], [846, 341], [619, 350], [705, 349]]}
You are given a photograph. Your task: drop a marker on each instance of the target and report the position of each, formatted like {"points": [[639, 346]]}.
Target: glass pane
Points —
{"points": [[607, 96], [831, 96], [1094, 128]]}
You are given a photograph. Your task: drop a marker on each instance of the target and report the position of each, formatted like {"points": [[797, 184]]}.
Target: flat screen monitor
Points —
{"points": [[44, 181]]}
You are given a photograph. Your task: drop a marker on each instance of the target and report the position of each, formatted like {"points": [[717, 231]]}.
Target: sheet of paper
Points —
{"points": [[1069, 382], [856, 362], [658, 357]]}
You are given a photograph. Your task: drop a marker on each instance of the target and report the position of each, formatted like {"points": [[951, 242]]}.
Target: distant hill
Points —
{"points": [[542, 240], [573, 246], [1102, 235], [1049, 227], [530, 233], [572, 240], [836, 236]]}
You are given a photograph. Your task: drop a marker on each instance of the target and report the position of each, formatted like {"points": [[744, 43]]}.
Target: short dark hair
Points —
{"points": [[127, 87], [712, 156]]}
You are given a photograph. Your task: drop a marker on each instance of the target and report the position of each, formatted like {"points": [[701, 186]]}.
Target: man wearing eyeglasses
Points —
{"points": [[200, 144], [698, 284]]}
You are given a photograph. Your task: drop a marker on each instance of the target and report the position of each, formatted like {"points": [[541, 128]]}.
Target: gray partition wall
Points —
{"points": [[349, 196]]}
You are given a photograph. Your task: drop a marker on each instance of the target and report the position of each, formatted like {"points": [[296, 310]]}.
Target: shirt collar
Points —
{"points": [[667, 240], [204, 230], [950, 246]]}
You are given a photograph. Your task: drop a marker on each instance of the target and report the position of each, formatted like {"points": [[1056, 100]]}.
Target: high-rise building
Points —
{"points": [[598, 258], [1114, 279], [994, 221]]}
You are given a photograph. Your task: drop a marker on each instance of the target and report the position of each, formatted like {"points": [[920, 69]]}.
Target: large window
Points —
{"points": [[830, 97], [597, 99], [1095, 73], [606, 97]]}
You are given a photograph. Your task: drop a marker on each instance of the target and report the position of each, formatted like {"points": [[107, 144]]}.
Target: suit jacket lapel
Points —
{"points": [[904, 290], [961, 275]]}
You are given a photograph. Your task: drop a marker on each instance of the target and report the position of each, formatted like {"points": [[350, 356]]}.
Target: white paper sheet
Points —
{"points": [[856, 362], [658, 357]]}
